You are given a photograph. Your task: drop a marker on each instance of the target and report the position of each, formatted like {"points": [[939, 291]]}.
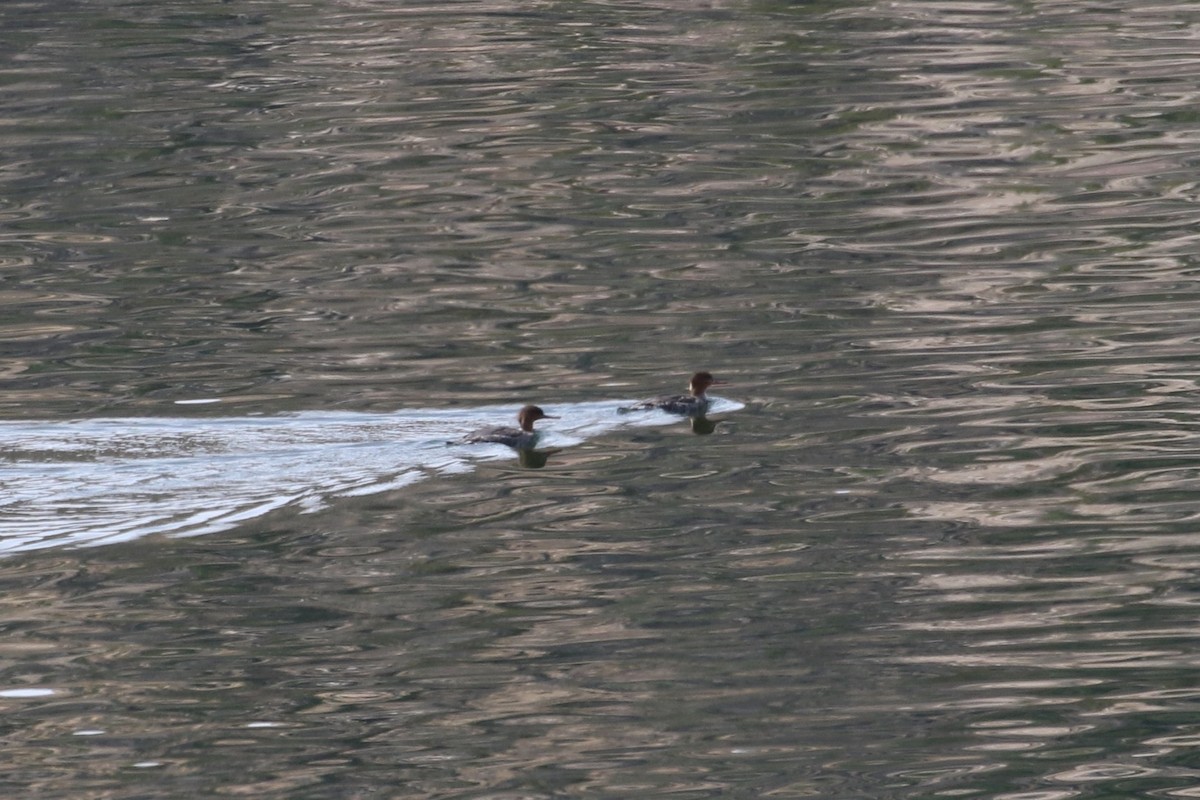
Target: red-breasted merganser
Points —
{"points": [[694, 404], [522, 438]]}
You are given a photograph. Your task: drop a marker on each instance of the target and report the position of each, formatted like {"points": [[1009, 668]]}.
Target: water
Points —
{"points": [[943, 543]]}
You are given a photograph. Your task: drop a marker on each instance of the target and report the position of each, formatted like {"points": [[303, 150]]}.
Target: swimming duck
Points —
{"points": [[522, 438], [693, 404]]}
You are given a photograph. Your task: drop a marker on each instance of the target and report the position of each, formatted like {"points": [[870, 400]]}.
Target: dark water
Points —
{"points": [[259, 261]]}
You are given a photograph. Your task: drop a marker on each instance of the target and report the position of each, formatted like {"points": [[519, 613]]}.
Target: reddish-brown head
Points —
{"points": [[701, 381], [529, 415]]}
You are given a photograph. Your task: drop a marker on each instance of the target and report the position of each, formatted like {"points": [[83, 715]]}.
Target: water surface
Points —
{"points": [[945, 252]]}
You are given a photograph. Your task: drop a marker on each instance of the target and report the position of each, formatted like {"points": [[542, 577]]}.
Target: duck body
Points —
{"points": [[513, 437], [685, 404], [521, 438], [693, 404]]}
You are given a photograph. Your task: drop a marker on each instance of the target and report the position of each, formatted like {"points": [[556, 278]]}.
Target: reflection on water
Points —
{"points": [[109, 480]]}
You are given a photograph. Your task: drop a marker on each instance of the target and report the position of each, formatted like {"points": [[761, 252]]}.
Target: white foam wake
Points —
{"points": [[91, 482]]}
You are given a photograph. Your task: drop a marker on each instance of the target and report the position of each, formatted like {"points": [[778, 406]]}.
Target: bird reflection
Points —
{"points": [[534, 459], [703, 426]]}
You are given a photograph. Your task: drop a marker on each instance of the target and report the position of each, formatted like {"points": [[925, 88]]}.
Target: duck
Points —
{"points": [[693, 404], [520, 438]]}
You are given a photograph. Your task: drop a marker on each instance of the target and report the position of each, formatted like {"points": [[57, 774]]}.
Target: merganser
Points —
{"points": [[523, 438], [694, 404]]}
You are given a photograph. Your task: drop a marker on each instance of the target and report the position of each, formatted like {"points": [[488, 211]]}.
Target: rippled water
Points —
{"points": [[942, 544]]}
